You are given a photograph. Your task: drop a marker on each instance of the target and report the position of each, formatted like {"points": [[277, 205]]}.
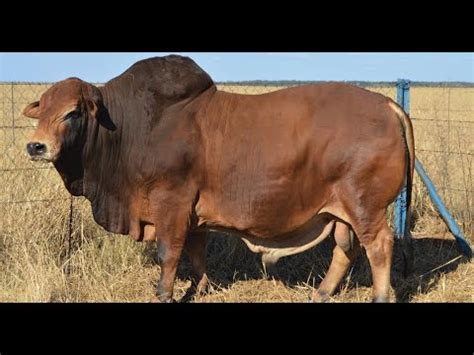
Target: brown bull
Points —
{"points": [[161, 154]]}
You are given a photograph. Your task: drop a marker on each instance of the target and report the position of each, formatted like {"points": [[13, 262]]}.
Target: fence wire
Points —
{"points": [[443, 119]]}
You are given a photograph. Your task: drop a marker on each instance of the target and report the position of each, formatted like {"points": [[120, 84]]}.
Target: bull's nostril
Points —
{"points": [[39, 147], [36, 148]]}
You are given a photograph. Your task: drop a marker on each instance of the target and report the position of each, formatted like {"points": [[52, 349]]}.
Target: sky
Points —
{"points": [[101, 67]]}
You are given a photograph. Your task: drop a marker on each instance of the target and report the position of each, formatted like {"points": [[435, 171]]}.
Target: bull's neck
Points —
{"points": [[106, 164], [108, 139], [104, 156]]}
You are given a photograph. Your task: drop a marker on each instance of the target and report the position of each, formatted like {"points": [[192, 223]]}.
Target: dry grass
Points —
{"points": [[40, 263], [102, 267]]}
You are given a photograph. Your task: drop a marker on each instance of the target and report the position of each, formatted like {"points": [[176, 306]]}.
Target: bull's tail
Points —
{"points": [[407, 247]]}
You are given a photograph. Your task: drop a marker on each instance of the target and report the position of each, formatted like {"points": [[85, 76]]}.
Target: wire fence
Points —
{"points": [[442, 114], [443, 119]]}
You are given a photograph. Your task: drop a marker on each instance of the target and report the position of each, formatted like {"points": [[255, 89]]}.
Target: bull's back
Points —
{"points": [[271, 160]]}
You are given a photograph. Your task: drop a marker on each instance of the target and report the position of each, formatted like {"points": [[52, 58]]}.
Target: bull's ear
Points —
{"points": [[92, 108], [101, 114], [32, 110]]}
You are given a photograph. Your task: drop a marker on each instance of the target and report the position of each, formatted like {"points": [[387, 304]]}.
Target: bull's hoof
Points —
{"points": [[202, 289], [380, 300], [320, 297], [158, 299]]}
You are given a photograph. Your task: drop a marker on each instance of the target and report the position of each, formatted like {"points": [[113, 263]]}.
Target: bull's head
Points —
{"points": [[63, 113]]}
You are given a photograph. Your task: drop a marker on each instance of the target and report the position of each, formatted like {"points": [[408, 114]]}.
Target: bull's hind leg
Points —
{"points": [[376, 237], [379, 252], [344, 254]]}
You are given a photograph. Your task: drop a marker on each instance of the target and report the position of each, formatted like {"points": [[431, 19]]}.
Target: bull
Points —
{"points": [[162, 155]]}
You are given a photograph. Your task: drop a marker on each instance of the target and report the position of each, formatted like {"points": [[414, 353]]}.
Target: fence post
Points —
{"points": [[13, 113], [69, 237], [400, 211]]}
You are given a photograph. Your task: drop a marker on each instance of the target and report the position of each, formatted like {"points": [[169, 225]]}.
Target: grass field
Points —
{"points": [[39, 262]]}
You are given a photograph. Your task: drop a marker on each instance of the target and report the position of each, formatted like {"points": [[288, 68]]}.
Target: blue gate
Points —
{"points": [[400, 210]]}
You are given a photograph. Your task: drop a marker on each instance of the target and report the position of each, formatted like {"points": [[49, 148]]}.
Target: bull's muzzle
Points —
{"points": [[36, 150]]}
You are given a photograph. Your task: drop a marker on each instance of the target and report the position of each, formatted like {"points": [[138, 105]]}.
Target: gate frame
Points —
{"points": [[400, 210]]}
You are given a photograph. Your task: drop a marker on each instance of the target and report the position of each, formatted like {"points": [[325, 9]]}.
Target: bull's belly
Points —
{"points": [[296, 241], [264, 209]]}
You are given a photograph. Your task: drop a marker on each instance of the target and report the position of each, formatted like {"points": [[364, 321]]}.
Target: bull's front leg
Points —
{"points": [[169, 254], [172, 212], [195, 248]]}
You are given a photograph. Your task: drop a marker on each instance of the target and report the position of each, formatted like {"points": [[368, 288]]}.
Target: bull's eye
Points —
{"points": [[74, 115]]}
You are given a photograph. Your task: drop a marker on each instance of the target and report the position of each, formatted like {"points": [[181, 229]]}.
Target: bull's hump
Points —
{"points": [[170, 79]]}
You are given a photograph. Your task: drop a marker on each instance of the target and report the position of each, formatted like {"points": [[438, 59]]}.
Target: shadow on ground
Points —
{"points": [[229, 260]]}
